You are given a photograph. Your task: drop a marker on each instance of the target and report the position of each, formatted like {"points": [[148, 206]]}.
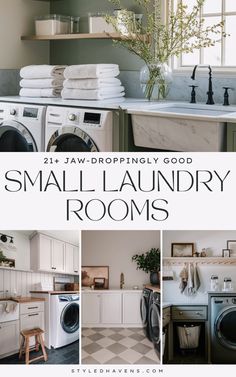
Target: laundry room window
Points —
{"points": [[222, 56]]}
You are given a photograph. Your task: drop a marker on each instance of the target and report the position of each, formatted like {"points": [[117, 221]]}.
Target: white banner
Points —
{"points": [[117, 191]]}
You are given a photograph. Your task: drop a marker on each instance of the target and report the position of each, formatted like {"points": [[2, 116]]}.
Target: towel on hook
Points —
{"points": [[190, 284], [196, 279], [184, 279], [42, 83], [91, 83], [10, 307], [91, 71], [42, 71]]}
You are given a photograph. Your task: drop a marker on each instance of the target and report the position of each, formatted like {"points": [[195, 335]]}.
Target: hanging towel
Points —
{"points": [[196, 279], [42, 71], [10, 307], [97, 94], [184, 279], [42, 83], [91, 83], [190, 286], [48, 93], [91, 71]]}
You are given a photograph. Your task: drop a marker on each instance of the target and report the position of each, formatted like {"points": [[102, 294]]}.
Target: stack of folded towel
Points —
{"points": [[92, 82], [41, 80]]}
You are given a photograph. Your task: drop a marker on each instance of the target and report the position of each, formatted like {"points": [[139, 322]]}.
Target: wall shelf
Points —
{"points": [[78, 36], [201, 260]]}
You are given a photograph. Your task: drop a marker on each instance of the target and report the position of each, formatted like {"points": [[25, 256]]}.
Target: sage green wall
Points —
{"points": [[91, 51]]}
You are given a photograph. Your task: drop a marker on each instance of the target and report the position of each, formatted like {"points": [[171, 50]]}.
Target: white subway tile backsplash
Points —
{"points": [[21, 282]]}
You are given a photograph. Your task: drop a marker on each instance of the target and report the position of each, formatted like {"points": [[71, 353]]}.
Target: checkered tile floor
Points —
{"points": [[117, 346]]}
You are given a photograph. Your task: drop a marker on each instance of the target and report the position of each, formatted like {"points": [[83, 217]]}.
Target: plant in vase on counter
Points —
{"points": [[149, 262], [156, 41]]}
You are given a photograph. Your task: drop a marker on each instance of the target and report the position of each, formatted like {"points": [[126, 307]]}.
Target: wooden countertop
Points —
{"points": [[155, 288], [55, 292], [23, 300]]}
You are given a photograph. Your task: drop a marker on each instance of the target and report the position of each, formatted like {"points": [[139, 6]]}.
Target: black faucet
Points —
{"points": [[210, 100]]}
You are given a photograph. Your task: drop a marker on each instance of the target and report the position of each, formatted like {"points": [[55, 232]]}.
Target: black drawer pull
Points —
{"points": [[32, 315], [32, 307]]}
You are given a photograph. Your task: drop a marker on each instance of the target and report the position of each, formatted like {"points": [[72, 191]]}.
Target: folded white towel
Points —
{"points": [[42, 71], [96, 94], [91, 71], [33, 92], [42, 83], [10, 307], [91, 83]]}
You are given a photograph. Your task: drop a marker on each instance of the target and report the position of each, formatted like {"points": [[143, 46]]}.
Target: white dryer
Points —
{"points": [[65, 319], [22, 127], [78, 130]]}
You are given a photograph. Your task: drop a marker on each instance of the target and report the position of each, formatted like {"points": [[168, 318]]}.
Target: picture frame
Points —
{"points": [[96, 277], [182, 249], [225, 253], [231, 245]]}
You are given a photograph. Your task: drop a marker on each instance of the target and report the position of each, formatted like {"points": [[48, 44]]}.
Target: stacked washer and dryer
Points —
{"points": [[36, 128]]}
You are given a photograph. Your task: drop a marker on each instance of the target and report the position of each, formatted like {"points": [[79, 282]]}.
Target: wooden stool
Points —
{"points": [[25, 347]]}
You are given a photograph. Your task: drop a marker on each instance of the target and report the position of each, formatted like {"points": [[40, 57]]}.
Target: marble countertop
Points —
{"points": [[112, 104]]}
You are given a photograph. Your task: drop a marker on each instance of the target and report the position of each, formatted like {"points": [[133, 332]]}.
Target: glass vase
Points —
{"points": [[155, 81]]}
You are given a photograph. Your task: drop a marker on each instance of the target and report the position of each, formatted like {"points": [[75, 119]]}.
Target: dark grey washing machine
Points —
{"points": [[223, 329], [145, 309], [155, 321]]}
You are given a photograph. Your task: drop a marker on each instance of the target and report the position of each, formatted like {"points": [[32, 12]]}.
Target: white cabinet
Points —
{"points": [[50, 254], [91, 309], [131, 308], [31, 317], [71, 259], [9, 338], [111, 308]]}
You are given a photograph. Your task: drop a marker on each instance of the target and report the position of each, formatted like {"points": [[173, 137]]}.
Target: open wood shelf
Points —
{"points": [[199, 260], [56, 37]]}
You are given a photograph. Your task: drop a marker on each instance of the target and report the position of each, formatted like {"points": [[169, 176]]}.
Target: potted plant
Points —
{"points": [[149, 262], [157, 40]]}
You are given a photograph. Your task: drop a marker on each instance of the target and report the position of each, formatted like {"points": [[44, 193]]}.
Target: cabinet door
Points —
{"points": [[45, 253], [111, 308], [76, 265], [9, 337], [32, 321], [90, 308], [131, 309], [58, 263]]}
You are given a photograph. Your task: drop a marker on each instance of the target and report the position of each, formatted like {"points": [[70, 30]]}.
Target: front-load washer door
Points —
{"points": [[15, 137], [71, 139], [70, 318], [225, 329]]}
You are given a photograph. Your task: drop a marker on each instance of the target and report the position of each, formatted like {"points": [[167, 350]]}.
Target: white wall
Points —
{"points": [[115, 249], [215, 241], [16, 19], [22, 283]]}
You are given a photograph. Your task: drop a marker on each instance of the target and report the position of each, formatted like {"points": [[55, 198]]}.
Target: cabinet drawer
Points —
{"points": [[31, 307], [166, 316], [189, 313]]}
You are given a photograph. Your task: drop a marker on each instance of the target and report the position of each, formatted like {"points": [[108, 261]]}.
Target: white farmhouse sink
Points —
{"points": [[12, 307]]}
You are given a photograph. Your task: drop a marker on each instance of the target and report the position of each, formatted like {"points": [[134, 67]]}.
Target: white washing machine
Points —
{"points": [[22, 127], [65, 319], [78, 130]]}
